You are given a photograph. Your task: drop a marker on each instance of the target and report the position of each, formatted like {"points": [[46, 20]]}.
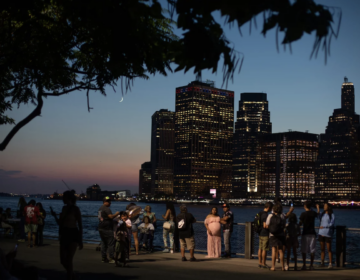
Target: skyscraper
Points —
{"points": [[253, 121], [204, 119], [162, 152], [337, 172], [145, 179], [286, 164]]}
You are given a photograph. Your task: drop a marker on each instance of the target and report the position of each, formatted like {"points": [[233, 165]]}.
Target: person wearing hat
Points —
{"points": [[227, 221], [106, 230]]}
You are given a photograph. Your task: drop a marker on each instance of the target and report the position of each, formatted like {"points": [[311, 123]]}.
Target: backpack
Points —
{"points": [[276, 226], [181, 222], [257, 223]]}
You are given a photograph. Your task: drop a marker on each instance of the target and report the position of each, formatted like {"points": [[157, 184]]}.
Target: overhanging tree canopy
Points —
{"points": [[56, 47]]}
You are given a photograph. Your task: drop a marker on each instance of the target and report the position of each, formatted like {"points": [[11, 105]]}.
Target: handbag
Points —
{"points": [[167, 225]]}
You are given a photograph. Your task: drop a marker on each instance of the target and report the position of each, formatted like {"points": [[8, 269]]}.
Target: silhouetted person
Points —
{"points": [[70, 231], [20, 214], [41, 225]]}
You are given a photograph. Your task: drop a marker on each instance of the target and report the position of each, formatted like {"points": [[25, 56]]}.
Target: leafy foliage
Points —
{"points": [[55, 47]]}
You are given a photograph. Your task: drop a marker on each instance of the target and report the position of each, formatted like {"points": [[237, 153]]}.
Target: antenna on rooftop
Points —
{"points": [[345, 79], [210, 83]]}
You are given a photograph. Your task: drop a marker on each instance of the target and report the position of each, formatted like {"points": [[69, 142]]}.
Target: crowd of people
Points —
{"points": [[276, 230], [281, 236]]}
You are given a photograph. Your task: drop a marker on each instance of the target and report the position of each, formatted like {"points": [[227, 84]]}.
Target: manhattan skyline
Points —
{"points": [[108, 145]]}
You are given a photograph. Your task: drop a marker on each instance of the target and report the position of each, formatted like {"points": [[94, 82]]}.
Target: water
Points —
{"points": [[242, 214]]}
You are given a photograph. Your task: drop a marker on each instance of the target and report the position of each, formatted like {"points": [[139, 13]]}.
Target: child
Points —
{"points": [[292, 231], [121, 237], [146, 233]]}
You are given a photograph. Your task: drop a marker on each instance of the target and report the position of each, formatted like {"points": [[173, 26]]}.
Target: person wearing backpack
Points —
{"points": [[186, 232], [275, 222], [308, 238], [326, 231], [263, 232], [292, 232]]}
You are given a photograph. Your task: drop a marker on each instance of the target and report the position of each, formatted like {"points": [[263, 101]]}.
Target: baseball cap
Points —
{"points": [[225, 205], [107, 199]]}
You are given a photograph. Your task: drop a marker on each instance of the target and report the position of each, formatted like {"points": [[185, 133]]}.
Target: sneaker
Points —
{"points": [[330, 266], [166, 251], [192, 259], [259, 266], [111, 261], [265, 266], [183, 259], [104, 260], [278, 260], [171, 251]]}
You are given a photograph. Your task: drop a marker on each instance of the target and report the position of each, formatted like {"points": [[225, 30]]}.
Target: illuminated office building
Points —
{"points": [[204, 120], [252, 121], [337, 173], [162, 152], [145, 179], [287, 163]]}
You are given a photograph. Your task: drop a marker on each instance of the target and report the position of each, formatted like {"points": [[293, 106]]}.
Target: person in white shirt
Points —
{"points": [[146, 233]]}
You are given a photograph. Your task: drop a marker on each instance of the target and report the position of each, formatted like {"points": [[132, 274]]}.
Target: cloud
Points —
{"points": [[9, 173]]}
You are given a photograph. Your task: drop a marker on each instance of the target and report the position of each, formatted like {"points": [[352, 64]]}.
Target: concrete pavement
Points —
{"points": [[158, 265]]}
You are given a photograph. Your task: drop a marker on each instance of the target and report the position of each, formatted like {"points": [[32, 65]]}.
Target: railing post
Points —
{"points": [[248, 241], [340, 246]]}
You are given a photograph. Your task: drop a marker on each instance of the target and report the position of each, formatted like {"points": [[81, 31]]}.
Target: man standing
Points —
{"points": [[227, 221], [106, 230], [264, 236], [308, 238], [186, 232], [31, 213]]}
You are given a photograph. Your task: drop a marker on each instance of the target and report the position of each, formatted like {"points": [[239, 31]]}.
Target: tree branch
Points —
{"points": [[67, 91], [21, 124]]}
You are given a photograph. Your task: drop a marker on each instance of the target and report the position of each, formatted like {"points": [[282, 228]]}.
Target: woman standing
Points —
{"points": [[41, 225], [213, 227], [135, 220], [70, 231], [149, 214], [20, 214], [326, 231], [169, 228]]}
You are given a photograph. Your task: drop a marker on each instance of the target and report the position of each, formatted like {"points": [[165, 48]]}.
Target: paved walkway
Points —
{"points": [[159, 266]]}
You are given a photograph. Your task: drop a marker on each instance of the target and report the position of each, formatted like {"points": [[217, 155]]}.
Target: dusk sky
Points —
{"points": [[108, 145]]}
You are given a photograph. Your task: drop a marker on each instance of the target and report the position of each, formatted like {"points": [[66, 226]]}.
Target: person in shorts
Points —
{"points": [[292, 232], [264, 236], [186, 232], [308, 238], [31, 213], [276, 240], [326, 231]]}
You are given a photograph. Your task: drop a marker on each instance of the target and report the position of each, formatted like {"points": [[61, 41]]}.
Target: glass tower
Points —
{"points": [[204, 120], [253, 121], [337, 173], [287, 164], [162, 152]]}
